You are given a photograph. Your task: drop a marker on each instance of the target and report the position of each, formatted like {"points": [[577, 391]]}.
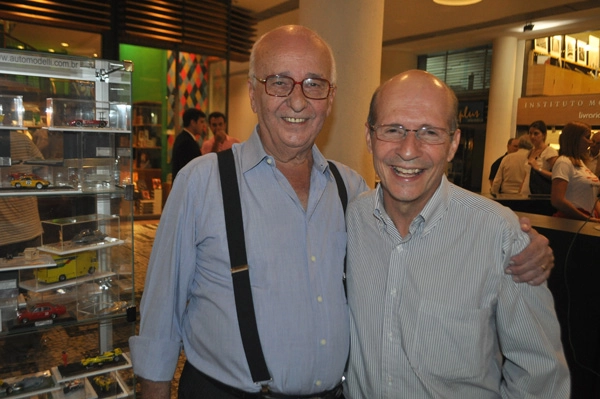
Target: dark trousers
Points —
{"points": [[194, 384]]}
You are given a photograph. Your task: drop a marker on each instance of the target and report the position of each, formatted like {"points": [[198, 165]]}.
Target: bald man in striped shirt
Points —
{"points": [[432, 312]]}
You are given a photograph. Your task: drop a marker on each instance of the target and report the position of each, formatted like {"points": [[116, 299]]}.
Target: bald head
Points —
{"points": [[421, 89], [274, 43]]}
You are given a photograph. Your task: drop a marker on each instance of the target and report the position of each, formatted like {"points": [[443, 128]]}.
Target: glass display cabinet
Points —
{"points": [[67, 298]]}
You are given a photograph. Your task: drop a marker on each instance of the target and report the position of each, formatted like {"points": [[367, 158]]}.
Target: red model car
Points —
{"points": [[40, 311], [88, 123]]}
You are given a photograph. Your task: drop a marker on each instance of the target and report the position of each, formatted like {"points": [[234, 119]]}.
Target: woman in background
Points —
{"points": [[574, 186], [541, 159]]}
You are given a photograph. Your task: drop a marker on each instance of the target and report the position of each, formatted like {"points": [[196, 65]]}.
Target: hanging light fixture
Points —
{"points": [[456, 2]]}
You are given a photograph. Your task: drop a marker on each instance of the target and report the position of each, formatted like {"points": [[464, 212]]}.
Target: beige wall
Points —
{"points": [[394, 62]]}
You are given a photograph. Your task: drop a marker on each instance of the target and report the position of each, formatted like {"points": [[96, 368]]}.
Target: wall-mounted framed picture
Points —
{"points": [[556, 46], [594, 49], [541, 45], [581, 52], [570, 48]]}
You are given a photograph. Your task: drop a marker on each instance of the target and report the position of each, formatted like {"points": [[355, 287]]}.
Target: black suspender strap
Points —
{"points": [[239, 268], [340, 185], [344, 199], [239, 261]]}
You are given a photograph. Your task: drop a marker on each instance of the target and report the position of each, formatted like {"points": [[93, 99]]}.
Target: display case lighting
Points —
{"points": [[456, 2]]}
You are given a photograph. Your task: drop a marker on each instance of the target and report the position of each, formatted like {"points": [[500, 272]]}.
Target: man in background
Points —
{"points": [[592, 161], [20, 225], [511, 146], [186, 145], [513, 170], [220, 140]]}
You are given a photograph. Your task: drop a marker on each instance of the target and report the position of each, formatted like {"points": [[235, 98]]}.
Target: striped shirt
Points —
{"points": [[19, 216], [433, 315]]}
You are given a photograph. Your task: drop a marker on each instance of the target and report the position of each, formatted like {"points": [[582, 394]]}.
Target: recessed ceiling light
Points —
{"points": [[50, 50], [64, 44], [456, 2]]}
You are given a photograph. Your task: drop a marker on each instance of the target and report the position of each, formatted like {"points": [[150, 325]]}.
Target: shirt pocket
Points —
{"points": [[452, 342]]}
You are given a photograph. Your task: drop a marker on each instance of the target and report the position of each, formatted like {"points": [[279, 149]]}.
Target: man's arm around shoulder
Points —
{"points": [[533, 264]]}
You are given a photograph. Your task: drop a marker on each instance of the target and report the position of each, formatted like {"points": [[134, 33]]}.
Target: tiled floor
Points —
{"points": [[27, 353]]}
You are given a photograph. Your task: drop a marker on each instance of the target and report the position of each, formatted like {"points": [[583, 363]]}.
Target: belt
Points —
{"points": [[335, 393]]}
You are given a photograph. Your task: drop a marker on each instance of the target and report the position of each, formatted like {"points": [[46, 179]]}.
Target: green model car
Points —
{"points": [[107, 357]]}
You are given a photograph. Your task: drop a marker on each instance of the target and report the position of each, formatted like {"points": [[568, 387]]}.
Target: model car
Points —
{"points": [[110, 356], [88, 123], [116, 307], [40, 311], [105, 383], [25, 383], [73, 385], [89, 236], [29, 181]]}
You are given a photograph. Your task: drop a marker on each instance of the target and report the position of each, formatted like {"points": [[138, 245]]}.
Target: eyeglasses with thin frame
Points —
{"points": [[395, 133], [282, 86]]}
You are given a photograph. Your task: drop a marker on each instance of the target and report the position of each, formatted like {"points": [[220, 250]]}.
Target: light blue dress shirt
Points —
{"points": [[295, 258], [433, 315]]}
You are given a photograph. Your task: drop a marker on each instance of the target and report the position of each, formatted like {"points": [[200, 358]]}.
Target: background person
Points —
{"points": [[296, 244], [513, 170], [594, 153], [574, 186], [185, 147], [432, 313], [220, 140], [511, 146], [541, 159], [20, 225]]}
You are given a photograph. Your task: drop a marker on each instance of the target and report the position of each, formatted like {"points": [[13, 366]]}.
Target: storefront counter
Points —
{"points": [[575, 284], [538, 204]]}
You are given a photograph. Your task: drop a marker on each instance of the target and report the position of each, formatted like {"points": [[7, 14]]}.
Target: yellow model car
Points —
{"points": [[107, 357], [105, 383], [29, 181]]}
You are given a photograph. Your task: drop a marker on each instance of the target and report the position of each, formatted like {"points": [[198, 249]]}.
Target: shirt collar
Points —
{"points": [[252, 152], [433, 211]]}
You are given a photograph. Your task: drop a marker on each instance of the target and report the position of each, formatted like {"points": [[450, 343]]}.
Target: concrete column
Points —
{"points": [[518, 89], [354, 30], [500, 125]]}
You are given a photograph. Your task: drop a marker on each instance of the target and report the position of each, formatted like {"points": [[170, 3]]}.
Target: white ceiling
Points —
{"points": [[415, 26]]}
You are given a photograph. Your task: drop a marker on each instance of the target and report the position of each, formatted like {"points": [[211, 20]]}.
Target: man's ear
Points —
{"points": [[369, 138], [454, 143], [251, 93]]}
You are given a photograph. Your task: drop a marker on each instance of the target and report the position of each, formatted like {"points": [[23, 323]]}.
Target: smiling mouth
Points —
{"points": [[402, 172], [295, 120]]}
